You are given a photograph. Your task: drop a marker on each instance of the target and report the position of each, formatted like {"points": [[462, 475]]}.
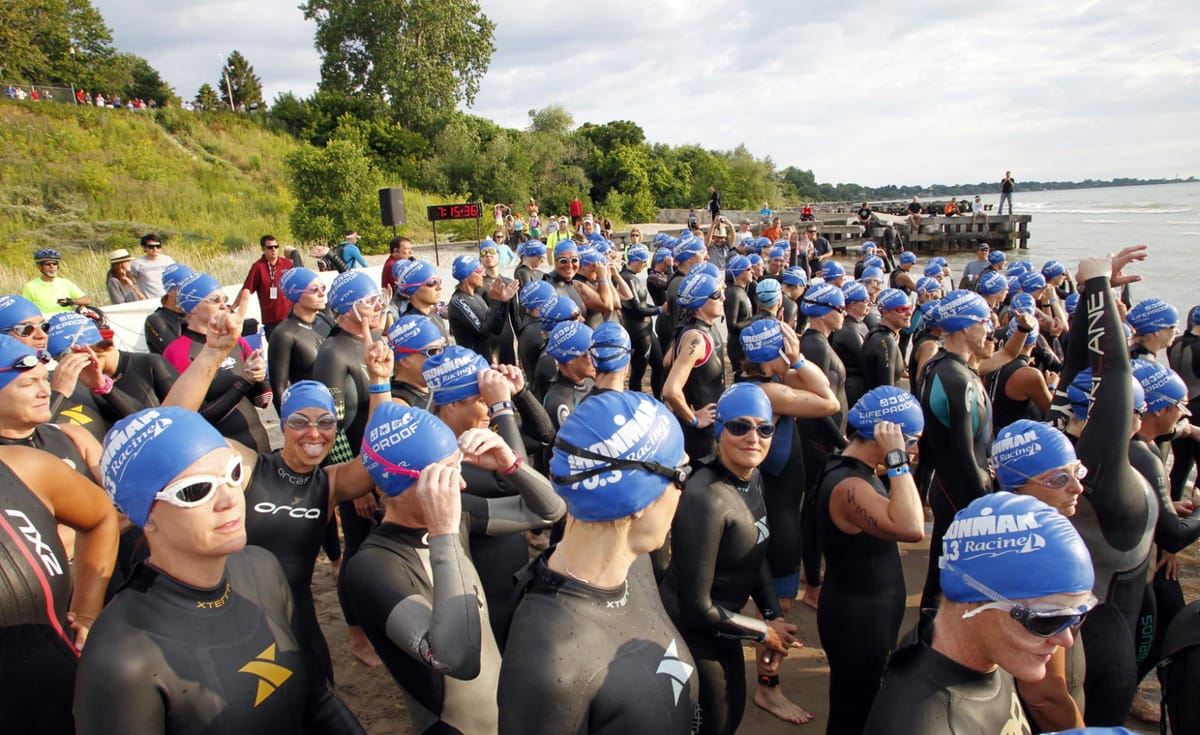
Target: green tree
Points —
{"points": [[238, 76], [206, 98], [554, 120], [423, 57], [335, 189], [36, 38], [147, 83]]}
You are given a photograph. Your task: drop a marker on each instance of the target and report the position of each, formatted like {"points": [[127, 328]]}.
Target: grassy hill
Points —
{"points": [[87, 180]]}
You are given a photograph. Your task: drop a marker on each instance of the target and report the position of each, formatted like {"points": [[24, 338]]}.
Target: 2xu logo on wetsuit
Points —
{"points": [[289, 511], [40, 547]]}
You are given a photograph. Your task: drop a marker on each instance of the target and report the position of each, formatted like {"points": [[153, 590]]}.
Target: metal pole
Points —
{"points": [[228, 89], [74, 63], [479, 226], [437, 258]]}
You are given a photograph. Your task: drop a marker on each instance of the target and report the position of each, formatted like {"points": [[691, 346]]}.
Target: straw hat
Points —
{"points": [[120, 255]]}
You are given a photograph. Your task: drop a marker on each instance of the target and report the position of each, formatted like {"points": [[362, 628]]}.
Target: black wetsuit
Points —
{"points": [[227, 404], [563, 396], [668, 323], [50, 438], [847, 342], [412, 395], [636, 315], [447, 664], [739, 313], [292, 354], [287, 514], [954, 447], [166, 657], [476, 325], [927, 693], [1184, 358], [862, 603], [503, 343], [37, 647], [531, 341], [718, 561], [141, 380], [1117, 512], [566, 288], [704, 385], [80, 409], [582, 659], [882, 361], [163, 327], [1006, 410]]}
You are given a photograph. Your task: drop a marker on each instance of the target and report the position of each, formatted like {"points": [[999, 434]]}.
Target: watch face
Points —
{"points": [[896, 457]]}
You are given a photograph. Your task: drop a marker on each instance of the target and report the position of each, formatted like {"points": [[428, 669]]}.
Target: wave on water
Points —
{"points": [[1047, 209], [1105, 221]]}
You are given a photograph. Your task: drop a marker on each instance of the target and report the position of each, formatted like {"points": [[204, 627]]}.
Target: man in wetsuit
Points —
{"points": [[296, 341], [637, 314], [200, 639], [882, 361], [476, 324], [1003, 616], [739, 311], [413, 583], [1184, 358], [418, 291], [164, 325], [568, 344], [958, 430]]}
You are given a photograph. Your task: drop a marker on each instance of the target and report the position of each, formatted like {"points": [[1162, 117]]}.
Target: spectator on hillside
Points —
{"points": [[122, 289], [774, 232], [148, 269]]}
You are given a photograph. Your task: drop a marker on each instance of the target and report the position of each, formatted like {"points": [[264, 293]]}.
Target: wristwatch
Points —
{"points": [[895, 458]]}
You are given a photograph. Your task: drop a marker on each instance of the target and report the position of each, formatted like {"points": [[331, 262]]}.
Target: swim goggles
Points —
{"points": [[195, 490]]}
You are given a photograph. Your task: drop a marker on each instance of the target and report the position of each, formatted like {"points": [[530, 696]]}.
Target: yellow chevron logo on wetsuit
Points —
{"points": [[270, 674]]}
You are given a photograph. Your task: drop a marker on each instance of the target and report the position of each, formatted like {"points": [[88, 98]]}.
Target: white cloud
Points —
{"points": [[864, 91]]}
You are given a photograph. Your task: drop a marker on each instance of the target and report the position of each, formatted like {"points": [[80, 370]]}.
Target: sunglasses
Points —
{"points": [[489, 251], [911, 441], [905, 310], [194, 491], [1041, 622], [741, 427], [26, 362], [270, 247], [26, 330], [298, 422], [49, 262], [426, 351], [152, 246], [678, 475], [568, 261]]}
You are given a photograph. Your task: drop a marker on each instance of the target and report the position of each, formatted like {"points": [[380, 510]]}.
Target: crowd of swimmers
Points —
{"points": [[559, 489]]}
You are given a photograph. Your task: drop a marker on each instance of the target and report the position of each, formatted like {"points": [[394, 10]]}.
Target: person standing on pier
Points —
{"points": [[714, 203], [1006, 190]]}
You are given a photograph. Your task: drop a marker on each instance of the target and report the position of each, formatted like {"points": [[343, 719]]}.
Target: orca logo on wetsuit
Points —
{"points": [[34, 537], [677, 671], [270, 675], [271, 509]]}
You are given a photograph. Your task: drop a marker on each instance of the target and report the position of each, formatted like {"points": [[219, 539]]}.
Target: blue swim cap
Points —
{"points": [[961, 309], [1152, 315], [694, 290], [534, 249], [626, 430], [399, 442], [928, 285], [555, 310], [11, 350], [794, 276], [294, 281], [939, 260], [1023, 303], [992, 283], [348, 288], [868, 245], [872, 272], [1014, 284], [874, 262], [1071, 303], [854, 291], [930, 314], [1030, 339], [174, 275], [564, 247], [454, 374], [662, 254], [1017, 547], [464, 267], [603, 245], [737, 265], [690, 248], [16, 309], [768, 292], [761, 244], [886, 403], [1193, 315], [821, 299], [412, 333], [932, 270], [660, 239], [535, 293], [777, 253], [1026, 449], [147, 449], [908, 257], [487, 243], [569, 340], [1033, 282], [1161, 385], [831, 270], [69, 328], [742, 400], [610, 348], [1053, 269], [709, 269], [305, 394], [591, 256], [890, 299], [194, 289], [762, 340], [637, 254], [754, 258], [996, 257], [1079, 393], [410, 275]]}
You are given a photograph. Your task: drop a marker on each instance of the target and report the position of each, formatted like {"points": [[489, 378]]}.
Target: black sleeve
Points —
{"points": [[537, 505], [876, 363], [1172, 533], [534, 419], [333, 369], [156, 342], [115, 667], [279, 362], [216, 410]]}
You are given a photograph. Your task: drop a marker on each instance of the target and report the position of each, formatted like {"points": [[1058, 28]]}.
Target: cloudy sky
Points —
{"points": [[862, 91]]}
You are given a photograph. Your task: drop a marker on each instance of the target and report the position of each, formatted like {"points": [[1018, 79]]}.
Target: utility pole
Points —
{"points": [[228, 88], [75, 63]]}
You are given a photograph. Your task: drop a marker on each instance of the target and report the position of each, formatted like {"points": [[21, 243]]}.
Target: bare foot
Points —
{"points": [[811, 596], [335, 566], [772, 700], [1143, 709], [362, 649]]}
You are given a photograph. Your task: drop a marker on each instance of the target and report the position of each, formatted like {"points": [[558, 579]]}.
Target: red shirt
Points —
{"points": [[262, 279], [386, 278], [576, 208]]}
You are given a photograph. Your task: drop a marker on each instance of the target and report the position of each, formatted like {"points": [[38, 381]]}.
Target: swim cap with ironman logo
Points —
{"points": [[454, 374], [1026, 449]]}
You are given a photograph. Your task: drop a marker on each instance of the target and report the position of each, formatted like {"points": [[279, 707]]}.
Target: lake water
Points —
{"points": [[1069, 225]]}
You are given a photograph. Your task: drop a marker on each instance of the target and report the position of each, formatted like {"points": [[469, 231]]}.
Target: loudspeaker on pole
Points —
{"points": [[391, 206]]}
